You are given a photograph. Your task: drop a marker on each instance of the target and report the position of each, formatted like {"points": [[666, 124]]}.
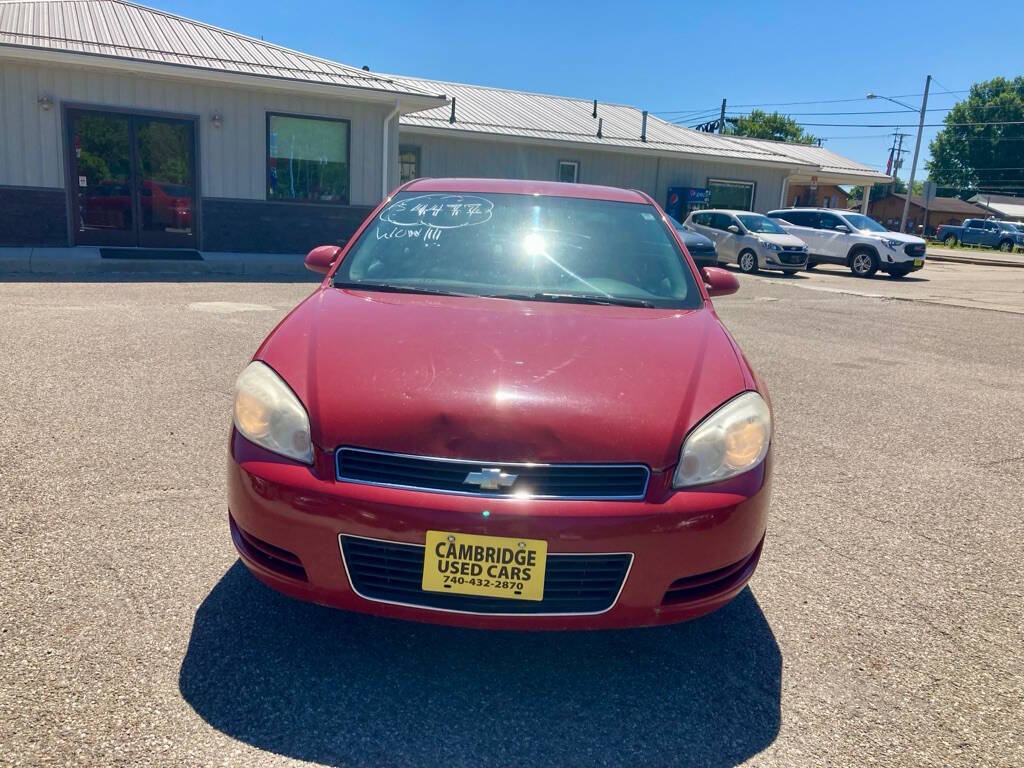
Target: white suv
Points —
{"points": [[853, 240]]}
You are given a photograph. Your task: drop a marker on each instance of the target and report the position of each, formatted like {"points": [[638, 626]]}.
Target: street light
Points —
{"points": [[877, 96], [917, 147]]}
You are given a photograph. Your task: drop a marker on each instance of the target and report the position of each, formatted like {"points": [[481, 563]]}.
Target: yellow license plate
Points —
{"points": [[918, 262], [492, 566]]}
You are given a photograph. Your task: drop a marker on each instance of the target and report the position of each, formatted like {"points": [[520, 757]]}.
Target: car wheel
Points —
{"points": [[812, 264], [748, 262], [950, 240], [863, 263], [790, 272], [1006, 246]]}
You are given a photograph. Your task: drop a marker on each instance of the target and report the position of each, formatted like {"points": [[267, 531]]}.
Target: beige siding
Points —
{"points": [[446, 156], [232, 159]]}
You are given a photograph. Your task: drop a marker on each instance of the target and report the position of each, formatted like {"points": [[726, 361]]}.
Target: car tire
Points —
{"points": [[898, 274], [790, 272], [863, 262], [1006, 246], [747, 262], [949, 241], [812, 265]]}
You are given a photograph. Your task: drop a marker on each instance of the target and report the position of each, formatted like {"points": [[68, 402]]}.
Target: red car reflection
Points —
{"points": [[509, 404], [108, 205]]}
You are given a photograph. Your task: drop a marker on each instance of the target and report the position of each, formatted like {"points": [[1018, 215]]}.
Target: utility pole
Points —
{"points": [[917, 151], [721, 119]]}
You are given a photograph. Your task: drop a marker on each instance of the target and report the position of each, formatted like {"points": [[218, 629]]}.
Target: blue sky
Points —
{"points": [[666, 56]]}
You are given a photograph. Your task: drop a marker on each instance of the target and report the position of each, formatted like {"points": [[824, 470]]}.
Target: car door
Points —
{"points": [[972, 232], [991, 234], [726, 243], [832, 244]]}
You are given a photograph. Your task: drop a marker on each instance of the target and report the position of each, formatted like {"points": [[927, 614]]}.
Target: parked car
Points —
{"points": [[852, 240], [702, 249], [987, 233], [509, 404], [750, 240]]}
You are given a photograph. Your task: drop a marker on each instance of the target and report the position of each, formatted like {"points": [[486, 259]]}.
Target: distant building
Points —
{"points": [[888, 211], [821, 196], [1002, 207]]}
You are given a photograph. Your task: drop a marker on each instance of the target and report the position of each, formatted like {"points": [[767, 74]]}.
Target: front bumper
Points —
{"points": [[692, 551], [784, 259]]}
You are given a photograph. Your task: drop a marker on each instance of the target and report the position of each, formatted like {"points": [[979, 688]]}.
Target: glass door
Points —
{"points": [[166, 185], [102, 179], [133, 179]]}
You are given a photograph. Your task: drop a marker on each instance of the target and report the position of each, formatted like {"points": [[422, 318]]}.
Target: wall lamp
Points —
{"points": [[45, 102], [217, 119]]}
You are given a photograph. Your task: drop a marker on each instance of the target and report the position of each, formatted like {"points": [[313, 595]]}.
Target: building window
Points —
{"points": [[307, 159], [569, 171], [408, 163], [735, 195]]}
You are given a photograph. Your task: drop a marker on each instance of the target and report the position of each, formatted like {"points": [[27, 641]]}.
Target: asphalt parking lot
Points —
{"points": [[883, 627]]}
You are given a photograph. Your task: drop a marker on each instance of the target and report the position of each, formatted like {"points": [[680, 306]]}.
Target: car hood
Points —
{"points": [[790, 240], [501, 380], [694, 239], [897, 236]]}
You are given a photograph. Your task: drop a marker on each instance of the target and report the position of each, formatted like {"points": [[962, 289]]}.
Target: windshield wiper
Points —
{"points": [[576, 298], [392, 288]]}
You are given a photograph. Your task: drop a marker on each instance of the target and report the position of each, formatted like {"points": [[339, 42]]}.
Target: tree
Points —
{"points": [[762, 125], [982, 156]]}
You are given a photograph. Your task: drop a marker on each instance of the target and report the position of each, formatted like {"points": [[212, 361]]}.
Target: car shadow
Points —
{"points": [[344, 689], [838, 271]]}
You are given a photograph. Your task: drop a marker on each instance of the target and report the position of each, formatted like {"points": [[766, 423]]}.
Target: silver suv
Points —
{"points": [[750, 240]]}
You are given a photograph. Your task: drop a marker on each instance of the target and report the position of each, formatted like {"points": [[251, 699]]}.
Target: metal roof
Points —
{"points": [[123, 30], [942, 204], [497, 111], [1007, 206], [827, 161]]}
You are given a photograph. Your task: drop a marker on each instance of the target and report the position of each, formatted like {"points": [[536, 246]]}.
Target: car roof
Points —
{"points": [[730, 211], [528, 187], [822, 210]]}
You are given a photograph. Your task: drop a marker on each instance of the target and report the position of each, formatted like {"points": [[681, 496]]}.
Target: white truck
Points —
{"points": [[852, 240]]}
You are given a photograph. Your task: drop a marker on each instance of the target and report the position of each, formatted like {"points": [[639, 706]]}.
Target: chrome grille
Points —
{"points": [[544, 481]]}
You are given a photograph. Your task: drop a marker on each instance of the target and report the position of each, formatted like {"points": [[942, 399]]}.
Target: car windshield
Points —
{"points": [[1012, 227], [755, 222], [531, 247], [864, 223]]}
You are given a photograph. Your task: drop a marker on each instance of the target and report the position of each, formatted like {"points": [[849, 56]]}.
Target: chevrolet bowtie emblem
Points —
{"points": [[490, 479]]}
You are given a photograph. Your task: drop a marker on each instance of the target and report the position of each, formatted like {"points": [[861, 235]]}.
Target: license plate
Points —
{"points": [[918, 262], [491, 566]]}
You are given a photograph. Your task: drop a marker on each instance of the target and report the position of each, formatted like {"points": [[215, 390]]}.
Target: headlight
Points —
{"points": [[894, 244], [269, 414], [771, 246], [727, 443]]}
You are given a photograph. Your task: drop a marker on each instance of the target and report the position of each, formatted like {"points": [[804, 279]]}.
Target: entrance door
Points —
{"points": [[132, 179]]}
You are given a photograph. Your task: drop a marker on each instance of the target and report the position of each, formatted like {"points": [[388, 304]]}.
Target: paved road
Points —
{"points": [[957, 285], [883, 627]]}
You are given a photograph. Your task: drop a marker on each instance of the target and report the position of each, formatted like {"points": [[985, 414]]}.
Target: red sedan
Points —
{"points": [[509, 404]]}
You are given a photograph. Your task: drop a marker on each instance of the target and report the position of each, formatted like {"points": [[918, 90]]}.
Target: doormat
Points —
{"points": [[150, 254]]}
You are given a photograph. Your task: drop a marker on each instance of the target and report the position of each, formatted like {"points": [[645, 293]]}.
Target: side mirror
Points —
{"points": [[719, 282], [321, 258], [841, 228], [734, 229]]}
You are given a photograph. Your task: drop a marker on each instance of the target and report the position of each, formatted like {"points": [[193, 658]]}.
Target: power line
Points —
{"points": [[804, 103]]}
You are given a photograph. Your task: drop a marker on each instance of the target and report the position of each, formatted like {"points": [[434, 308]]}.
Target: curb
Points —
{"points": [[972, 260]]}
